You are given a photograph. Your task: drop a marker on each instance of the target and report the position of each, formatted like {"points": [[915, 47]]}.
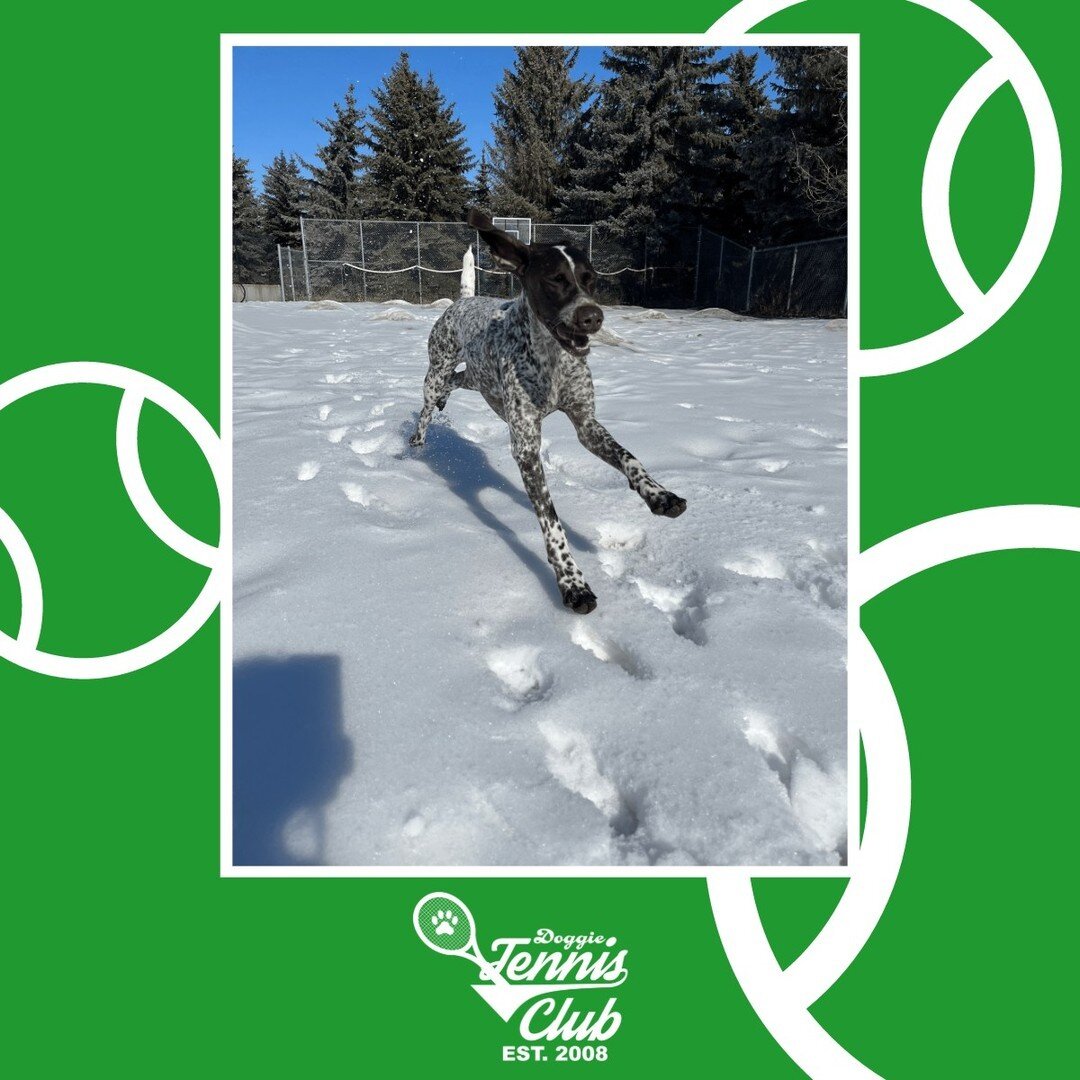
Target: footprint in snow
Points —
{"points": [[414, 826], [363, 447], [618, 536], [308, 470], [773, 465], [684, 605], [761, 564], [608, 650], [520, 674], [571, 761], [356, 493]]}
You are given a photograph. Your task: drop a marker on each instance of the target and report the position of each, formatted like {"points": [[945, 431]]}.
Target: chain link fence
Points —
{"points": [[690, 267]]}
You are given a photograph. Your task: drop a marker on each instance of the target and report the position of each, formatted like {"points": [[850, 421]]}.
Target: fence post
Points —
{"points": [[720, 269], [847, 276], [791, 280], [646, 297], [303, 244], [292, 280], [419, 272], [697, 269], [363, 262], [281, 273], [750, 278]]}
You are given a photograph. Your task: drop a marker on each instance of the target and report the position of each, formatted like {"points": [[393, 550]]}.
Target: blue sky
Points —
{"points": [[280, 91]]}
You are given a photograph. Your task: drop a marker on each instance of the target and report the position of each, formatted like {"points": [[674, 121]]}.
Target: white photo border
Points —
{"points": [[855, 703]]}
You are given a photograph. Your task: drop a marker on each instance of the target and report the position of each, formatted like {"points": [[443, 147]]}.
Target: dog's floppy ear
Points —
{"points": [[507, 250]]}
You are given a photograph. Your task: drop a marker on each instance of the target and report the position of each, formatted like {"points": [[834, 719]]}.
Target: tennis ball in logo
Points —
{"points": [[108, 580]]}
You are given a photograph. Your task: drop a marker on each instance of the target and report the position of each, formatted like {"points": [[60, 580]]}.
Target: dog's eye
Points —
{"points": [[587, 279]]}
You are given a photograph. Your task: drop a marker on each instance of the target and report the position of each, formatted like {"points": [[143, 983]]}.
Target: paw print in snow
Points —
{"points": [[444, 922]]}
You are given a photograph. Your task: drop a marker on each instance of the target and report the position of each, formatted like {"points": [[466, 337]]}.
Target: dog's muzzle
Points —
{"points": [[586, 320]]}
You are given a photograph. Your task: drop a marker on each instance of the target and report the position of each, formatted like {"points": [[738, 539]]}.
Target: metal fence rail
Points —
{"points": [[690, 267]]}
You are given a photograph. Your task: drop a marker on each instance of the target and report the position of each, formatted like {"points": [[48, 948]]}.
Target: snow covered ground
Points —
{"points": [[409, 688]]}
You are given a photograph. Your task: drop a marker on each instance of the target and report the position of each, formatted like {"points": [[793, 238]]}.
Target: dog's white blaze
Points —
{"points": [[566, 256], [580, 300]]}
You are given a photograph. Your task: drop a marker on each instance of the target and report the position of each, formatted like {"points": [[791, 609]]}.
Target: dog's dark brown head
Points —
{"points": [[558, 281]]}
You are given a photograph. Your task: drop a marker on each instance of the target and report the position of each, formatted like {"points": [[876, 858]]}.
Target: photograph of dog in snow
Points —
{"points": [[469, 630]]}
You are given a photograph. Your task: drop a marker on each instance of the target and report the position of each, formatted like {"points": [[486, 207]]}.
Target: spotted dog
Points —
{"points": [[527, 357]]}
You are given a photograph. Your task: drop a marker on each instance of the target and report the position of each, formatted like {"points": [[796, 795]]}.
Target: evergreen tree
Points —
{"points": [[335, 186], [807, 143], [632, 173], [538, 106], [283, 200], [480, 196], [248, 244], [418, 161], [729, 166]]}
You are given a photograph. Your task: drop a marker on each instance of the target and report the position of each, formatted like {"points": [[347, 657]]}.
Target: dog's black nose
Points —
{"points": [[588, 318]]}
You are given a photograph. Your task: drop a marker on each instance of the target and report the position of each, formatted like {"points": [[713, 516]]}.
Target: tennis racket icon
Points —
{"points": [[446, 925]]}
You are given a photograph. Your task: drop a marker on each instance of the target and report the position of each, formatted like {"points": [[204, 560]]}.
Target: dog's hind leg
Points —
{"points": [[456, 381], [438, 382]]}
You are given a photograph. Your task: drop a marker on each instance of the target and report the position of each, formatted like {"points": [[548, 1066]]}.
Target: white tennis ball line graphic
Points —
{"points": [[1007, 64], [782, 998], [138, 387]]}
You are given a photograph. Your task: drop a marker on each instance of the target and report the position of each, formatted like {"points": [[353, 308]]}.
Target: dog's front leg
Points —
{"points": [[597, 440], [525, 445]]}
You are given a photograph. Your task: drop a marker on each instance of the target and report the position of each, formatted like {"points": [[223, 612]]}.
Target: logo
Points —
{"points": [[559, 986]]}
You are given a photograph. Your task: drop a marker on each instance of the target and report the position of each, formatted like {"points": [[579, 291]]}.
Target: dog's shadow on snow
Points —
{"points": [[290, 754], [467, 472]]}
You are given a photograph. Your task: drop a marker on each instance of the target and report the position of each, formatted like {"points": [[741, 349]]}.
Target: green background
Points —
{"points": [[124, 950]]}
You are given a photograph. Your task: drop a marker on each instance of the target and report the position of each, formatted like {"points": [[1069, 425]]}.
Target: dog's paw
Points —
{"points": [[667, 505], [416, 440], [580, 599]]}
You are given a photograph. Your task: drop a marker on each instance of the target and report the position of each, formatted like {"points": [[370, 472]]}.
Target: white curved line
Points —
{"points": [[26, 571], [982, 312], [742, 18], [937, 182], [782, 998], [123, 378], [123, 663], [752, 960], [142, 498], [18, 650], [972, 532], [888, 814], [1042, 216]]}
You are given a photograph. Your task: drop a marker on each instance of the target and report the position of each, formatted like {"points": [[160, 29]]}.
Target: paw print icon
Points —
{"points": [[444, 922]]}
